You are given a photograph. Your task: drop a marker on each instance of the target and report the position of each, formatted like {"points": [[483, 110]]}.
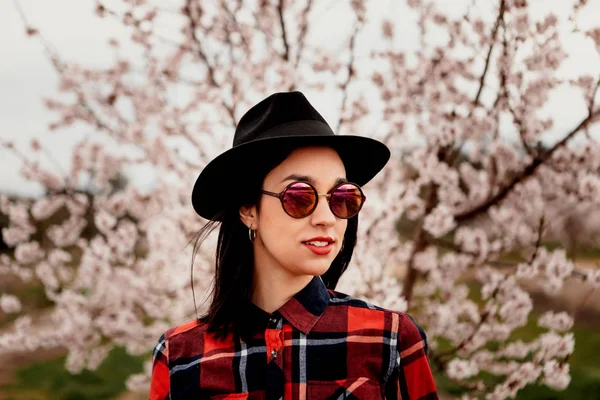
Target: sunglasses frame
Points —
{"points": [[281, 194]]}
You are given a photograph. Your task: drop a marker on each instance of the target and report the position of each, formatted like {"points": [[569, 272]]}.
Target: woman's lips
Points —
{"points": [[319, 250]]}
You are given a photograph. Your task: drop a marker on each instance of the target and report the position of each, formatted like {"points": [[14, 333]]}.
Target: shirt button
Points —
{"points": [[272, 322], [274, 353]]}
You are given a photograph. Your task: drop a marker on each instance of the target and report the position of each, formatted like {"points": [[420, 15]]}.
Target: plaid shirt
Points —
{"points": [[321, 344]]}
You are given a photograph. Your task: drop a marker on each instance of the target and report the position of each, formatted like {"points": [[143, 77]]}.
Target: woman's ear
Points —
{"points": [[248, 216]]}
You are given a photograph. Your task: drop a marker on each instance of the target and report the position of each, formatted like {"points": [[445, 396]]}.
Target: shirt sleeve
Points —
{"points": [[412, 379], [159, 383]]}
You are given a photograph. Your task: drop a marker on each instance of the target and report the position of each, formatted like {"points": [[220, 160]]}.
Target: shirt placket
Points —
{"points": [[274, 348]]}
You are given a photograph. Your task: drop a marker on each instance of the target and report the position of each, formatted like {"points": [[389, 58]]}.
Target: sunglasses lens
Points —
{"points": [[299, 199], [346, 201]]}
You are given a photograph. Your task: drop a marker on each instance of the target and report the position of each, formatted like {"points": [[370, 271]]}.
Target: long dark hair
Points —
{"points": [[232, 284]]}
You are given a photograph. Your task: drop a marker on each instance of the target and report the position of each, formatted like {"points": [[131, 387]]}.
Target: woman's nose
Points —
{"points": [[322, 214]]}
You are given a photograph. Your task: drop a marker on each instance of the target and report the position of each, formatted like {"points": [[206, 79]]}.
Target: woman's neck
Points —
{"points": [[273, 286]]}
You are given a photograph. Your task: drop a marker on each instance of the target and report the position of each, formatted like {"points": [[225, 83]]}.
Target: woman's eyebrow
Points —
{"points": [[306, 178]]}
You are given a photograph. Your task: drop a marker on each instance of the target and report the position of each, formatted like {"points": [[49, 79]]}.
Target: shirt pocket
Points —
{"points": [[231, 396], [352, 388]]}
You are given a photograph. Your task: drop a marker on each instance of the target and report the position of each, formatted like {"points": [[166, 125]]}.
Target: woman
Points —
{"points": [[287, 197]]}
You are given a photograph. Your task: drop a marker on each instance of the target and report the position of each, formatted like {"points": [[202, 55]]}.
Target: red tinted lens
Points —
{"points": [[299, 199], [346, 200]]}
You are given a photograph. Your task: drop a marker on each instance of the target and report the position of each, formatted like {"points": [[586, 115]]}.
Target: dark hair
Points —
{"points": [[232, 284]]}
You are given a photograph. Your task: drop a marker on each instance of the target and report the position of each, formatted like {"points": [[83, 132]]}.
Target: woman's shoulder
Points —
{"points": [[337, 298], [193, 328], [364, 314]]}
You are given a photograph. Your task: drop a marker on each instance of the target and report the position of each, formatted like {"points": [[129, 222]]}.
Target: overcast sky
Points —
{"points": [[26, 75]]}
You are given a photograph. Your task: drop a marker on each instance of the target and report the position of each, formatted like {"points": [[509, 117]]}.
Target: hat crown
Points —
{"points": [[276, 125], [274, 111]]}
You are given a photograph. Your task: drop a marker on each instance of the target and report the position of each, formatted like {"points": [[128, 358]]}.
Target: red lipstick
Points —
{"points": [[319, 250]]}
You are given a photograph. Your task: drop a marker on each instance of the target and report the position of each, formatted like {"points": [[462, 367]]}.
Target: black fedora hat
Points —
{"points": [[280, 122]]}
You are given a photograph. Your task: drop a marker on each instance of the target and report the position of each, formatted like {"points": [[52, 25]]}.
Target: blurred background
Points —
{"points": [[109, 109]]}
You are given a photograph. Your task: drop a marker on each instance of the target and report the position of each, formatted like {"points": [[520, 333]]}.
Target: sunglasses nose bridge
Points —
{"points": [[327, 198], [317, 202]]}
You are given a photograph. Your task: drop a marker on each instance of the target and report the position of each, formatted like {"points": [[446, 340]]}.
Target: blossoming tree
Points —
{"points": [[471, 174]]}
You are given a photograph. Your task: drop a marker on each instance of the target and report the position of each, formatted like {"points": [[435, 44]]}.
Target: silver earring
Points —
{"points": [[251, 234]]}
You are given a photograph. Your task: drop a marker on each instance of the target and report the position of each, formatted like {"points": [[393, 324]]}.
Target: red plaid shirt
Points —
{"points": [[321, 344]]}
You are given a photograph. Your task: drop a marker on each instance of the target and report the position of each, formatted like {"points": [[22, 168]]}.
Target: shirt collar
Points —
{"points": [[303, 310]]}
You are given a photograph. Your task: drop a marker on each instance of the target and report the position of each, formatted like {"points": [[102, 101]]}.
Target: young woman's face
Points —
{"points": [[285, 242]]}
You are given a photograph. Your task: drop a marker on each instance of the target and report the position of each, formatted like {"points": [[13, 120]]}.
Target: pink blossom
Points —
{"points": [[560, 322], [473, 241], [527, 270], [557, 265], [68, 232], [517, 350], [15, 234], [516, 306], [595, 35], [58, 257], [593, 277], [10, 304], [47, 276], [426, 260], [552, 345], [439, 222], [556, 375], [46, 206], [589, 187], [413, 204], [104, 221], [461, 369], [28, 253]]}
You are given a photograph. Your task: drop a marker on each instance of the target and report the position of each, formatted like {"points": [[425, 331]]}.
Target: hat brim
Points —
{"points": [[217, 184]]}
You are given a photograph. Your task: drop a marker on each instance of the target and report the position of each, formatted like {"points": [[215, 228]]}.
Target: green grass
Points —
{"points": [[50, 380]]}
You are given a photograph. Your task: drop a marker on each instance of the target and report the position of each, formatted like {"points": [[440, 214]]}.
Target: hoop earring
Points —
{"points": [[251, 234]]}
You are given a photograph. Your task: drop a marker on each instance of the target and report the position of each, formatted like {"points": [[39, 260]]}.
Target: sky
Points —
{"points": [[26, 76]]}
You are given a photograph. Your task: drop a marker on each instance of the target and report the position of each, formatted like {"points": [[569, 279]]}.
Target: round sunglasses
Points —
{"points": [[300, 199]]}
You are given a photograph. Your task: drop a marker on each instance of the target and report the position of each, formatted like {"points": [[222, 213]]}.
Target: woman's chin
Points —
{"points": [[315, 268]]}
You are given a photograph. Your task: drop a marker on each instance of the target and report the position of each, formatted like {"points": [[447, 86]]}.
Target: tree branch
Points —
{"points": [[351, 72], [525, 173], [193, 25], [577, 273], [591, 104], [286, 46], [233, 16], [303, 32], [504, 92], [419, 243], [489, 53]]}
